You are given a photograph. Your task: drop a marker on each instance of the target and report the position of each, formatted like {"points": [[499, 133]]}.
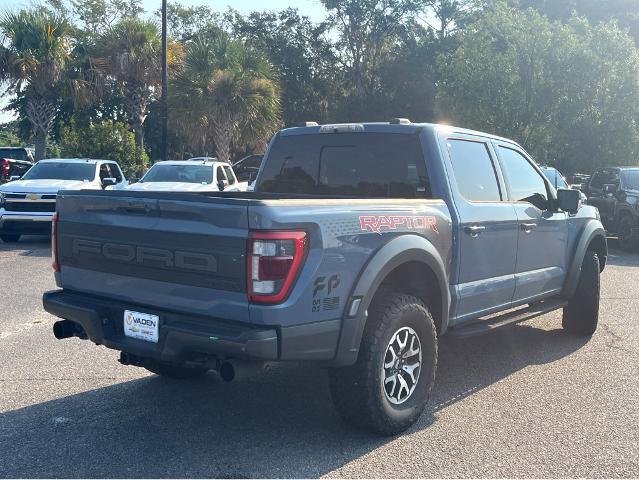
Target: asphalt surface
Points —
{"points": [[525, 401]]}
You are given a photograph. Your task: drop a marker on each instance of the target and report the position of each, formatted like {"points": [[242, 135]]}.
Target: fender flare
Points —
{"points": [[590, 232], [398, 251]]}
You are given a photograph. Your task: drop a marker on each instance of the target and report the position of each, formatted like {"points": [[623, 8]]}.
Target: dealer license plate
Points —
{"points": [[143, 326]]}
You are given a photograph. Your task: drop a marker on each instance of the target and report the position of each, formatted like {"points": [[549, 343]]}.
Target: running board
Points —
{"points": [[488, 324]]}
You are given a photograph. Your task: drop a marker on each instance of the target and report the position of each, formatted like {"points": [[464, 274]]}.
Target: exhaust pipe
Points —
{"points": [[67, 329], [231, 370]]}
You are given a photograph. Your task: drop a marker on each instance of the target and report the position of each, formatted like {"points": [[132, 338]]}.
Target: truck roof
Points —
{"points": [[191, 161], [386, 127], [75, 160]]}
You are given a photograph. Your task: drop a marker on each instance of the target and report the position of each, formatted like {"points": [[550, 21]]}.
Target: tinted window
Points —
{"points": [[347, 164], [14, 153], [229, 175], [526, 184], [61, 171], [630, 179], [179, 173], [474, 171]]}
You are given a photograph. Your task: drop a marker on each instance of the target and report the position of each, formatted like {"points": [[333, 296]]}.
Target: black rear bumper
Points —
{"points": [[181, 338], [187, 338]]}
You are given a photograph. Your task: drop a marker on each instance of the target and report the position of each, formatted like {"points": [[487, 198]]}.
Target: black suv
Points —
{"points": [[14, 162], [615, 192]]}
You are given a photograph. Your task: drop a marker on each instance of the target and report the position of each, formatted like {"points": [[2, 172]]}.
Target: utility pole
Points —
{"points": [[165, 81]]}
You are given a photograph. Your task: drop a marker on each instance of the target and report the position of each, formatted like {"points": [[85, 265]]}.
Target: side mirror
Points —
{"points": [[109, 182], [14, 177], [221, 184], [609, 188], [568, 200]]}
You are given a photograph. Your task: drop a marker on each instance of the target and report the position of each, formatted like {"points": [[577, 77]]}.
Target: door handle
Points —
{"points": [[527, 227], [474, 230]]}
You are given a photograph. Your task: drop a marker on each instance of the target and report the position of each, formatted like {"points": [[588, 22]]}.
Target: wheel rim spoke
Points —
{"points": [[401, 365]]}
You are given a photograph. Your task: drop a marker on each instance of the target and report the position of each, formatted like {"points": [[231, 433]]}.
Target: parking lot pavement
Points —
{"points": [[526, 401]]}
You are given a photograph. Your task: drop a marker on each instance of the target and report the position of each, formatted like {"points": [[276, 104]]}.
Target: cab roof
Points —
{"points": [[384, 127], [75, 160]]}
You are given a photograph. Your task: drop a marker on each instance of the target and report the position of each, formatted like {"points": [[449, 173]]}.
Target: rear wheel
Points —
{"points": [[387, 389], [581, 315], [10, 238], [627, 241], [174, 371]]}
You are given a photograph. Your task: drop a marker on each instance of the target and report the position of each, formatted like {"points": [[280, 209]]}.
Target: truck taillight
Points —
{"points": [[54, 242], [5, 167], [274, 261]]}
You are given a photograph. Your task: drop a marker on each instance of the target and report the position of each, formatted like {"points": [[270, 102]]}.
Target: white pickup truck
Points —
{"points": [[203, 174], [27, 204]]}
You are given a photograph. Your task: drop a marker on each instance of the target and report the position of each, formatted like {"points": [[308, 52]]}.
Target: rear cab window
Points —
{"points": [[363, 164]]}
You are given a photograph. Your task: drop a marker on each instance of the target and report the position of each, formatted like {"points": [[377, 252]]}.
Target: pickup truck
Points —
{"points": [[27, 204], [14, 162], [615, 193], [194, 175], [360, 247]]}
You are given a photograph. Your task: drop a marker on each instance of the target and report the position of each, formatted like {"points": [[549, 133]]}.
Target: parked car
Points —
{"points": [[194, 175], [14, 162], [246, 169], [361, 246], [27, 205], [557, 180], [615, 192]]}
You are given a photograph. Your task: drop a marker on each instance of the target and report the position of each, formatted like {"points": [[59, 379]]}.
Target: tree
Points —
{"points": [[36, 59], [368, 29], [129, 54], [566, 92], [303, 56], [107, 140], [225, 93]]}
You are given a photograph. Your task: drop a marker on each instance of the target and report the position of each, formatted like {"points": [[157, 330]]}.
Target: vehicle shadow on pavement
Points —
{"points": [[280, 423]]}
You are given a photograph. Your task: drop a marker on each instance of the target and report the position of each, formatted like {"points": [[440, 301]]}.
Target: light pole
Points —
{"points": [[165, 81]]}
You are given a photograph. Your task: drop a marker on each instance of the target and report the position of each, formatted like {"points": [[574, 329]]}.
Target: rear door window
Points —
{"points": [[474, 170], [347, 164]]}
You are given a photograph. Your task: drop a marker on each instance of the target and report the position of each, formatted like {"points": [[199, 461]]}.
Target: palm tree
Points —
{"points": [[129, 53], [225, 93], [36, 59]]}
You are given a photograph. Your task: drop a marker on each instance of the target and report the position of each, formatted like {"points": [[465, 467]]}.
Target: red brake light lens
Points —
{"points": [[274, 261], [54, 242]]}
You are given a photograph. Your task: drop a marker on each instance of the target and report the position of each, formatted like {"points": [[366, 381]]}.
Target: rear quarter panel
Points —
{"points": [[343, 236]]}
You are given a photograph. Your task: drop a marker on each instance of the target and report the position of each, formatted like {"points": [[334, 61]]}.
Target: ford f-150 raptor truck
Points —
{"points": [[361, 245]]}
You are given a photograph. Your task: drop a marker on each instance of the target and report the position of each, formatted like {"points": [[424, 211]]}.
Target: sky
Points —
{"points": [[312, 8]]}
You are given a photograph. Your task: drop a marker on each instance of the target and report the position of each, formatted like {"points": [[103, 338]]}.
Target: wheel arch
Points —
{"points": [[408, 259], [593, 238]]}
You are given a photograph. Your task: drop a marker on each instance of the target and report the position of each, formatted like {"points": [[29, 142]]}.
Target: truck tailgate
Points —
{"points": [[184, 251]]}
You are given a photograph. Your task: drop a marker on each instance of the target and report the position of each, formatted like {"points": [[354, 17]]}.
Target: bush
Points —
{"points": [[107, 140]]}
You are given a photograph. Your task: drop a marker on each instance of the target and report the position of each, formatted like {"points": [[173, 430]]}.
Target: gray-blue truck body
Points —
{"points": [[466, 259]]}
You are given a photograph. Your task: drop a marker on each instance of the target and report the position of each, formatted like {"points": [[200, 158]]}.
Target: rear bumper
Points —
{"points": [[187, 338]]}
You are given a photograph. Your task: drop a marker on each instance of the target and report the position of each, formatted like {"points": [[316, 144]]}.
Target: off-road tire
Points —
{"points": [[174, 371], [581, 315], [10, 238], [626, 240], [358, 392]]}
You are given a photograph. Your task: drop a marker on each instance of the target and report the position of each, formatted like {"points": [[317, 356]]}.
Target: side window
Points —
{"points": [[220, 174], [115, 172], [229, 175], [526, 184], [474, 170], [104, 171]]}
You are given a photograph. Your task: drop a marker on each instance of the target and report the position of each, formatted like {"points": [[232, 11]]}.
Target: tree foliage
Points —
{"points": [[106, 140]]}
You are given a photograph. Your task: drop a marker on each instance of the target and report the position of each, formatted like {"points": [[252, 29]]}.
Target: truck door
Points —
{"points": [[543, 233], [486, 229]]}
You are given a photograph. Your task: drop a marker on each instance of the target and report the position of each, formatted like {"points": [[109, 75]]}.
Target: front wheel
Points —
{"points": [[387, 388], [10, 238], [581, 315]]}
